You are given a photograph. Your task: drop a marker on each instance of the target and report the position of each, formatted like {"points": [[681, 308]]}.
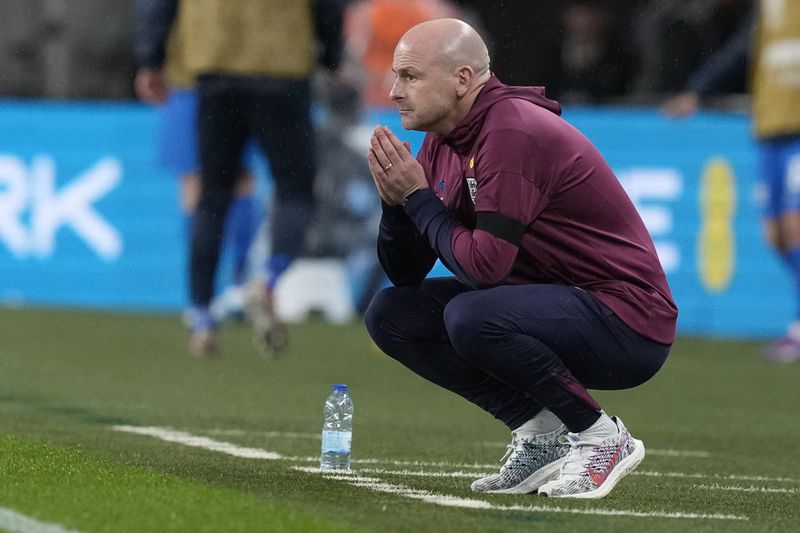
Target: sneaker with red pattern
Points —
{"points": [[598, 459]]}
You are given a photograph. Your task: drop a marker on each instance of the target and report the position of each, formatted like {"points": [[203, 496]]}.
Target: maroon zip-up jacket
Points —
{"points": [[517, 195]]}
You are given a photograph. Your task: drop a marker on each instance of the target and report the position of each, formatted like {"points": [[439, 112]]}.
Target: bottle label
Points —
{"points": [[336, 441]]}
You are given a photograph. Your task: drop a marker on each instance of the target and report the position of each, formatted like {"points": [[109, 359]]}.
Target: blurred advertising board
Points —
{"points": [[87, 219]]}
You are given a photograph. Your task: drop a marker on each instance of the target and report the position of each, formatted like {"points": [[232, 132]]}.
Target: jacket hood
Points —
{"points": [[463, 136]]}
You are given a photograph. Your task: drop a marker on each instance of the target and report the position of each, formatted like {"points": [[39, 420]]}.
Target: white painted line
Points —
{"points": [[425, 473], [729, 477], [421, 464], [379, 485], [182, 437], [475, 475], [678, 453], [15, 522], [751, 488], [435, 464], [482, 468], [620, 512], [271, 434], [376, 484], [187, 439], [316, 436]]}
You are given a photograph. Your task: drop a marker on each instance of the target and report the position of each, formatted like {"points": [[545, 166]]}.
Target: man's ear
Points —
{"points": [[465, 76]]}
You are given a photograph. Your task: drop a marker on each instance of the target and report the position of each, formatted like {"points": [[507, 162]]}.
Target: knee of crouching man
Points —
{"points": [[465, 323]]}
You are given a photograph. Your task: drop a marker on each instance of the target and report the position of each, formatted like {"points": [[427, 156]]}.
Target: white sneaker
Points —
{"points": [[596, 461], [230, 304], [202, 333], [531, 462], [203, 344], [269, 333]]}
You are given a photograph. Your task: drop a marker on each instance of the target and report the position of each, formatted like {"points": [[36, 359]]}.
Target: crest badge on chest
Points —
{"points": [[472, 185]]}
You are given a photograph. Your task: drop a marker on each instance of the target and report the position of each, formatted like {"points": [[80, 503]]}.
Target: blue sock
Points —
{"points": [[276, 265], [201, 319], [240, 230], [792, 258]]}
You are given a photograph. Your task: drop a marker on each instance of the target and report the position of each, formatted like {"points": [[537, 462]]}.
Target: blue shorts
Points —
{"points": [[779, 176], [177, 150]]}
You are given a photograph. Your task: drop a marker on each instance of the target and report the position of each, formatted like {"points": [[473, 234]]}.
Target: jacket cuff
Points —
{"points": [[422, 206]]}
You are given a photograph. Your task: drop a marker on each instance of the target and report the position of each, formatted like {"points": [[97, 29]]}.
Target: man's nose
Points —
{"points": [[395, 92]]}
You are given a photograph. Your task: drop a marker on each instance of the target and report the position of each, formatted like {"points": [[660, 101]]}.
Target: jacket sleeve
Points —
{"points": [[403, 253], [480, 257], [727, 62], [328, 21], [153, 20]]}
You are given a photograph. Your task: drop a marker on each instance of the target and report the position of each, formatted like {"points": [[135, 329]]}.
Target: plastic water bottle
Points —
{"points": [[337, 430]]}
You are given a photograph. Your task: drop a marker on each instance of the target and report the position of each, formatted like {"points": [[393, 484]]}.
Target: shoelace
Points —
{"points": [[577, 460], [510, 450], [516, 446]]}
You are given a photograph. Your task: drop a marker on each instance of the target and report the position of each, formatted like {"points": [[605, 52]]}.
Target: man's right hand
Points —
{"points": [[682, 105], [151, 85]]}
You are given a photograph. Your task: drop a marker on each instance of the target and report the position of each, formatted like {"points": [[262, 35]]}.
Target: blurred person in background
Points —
{"points": [[251, 62], [65, 49], [557, 284], [596, 65], [372, 29], [770, 40], [674, 37], [177, 102]]}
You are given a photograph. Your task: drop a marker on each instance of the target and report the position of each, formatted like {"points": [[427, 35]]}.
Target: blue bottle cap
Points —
{"points": [[340, 387]]}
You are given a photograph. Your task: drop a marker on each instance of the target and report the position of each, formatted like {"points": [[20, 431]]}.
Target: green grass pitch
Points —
{"points": [[107, 425]]}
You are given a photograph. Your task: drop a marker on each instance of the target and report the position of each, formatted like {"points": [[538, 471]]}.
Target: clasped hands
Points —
{"points": [[396, 172]]}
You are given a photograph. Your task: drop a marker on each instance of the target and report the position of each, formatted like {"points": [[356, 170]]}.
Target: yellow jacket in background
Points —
{"points": [[776, 76], [242, 37]]}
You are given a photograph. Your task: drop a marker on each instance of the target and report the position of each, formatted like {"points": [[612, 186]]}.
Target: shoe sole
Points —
{"points": [[532, 482], [623, 468], [203, 344]]}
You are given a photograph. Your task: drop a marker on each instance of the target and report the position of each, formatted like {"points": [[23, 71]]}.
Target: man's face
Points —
{"points": [[424, 92]]}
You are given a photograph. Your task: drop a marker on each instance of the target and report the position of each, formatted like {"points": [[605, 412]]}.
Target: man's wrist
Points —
{"points": [[417, 199], [412, 193]]}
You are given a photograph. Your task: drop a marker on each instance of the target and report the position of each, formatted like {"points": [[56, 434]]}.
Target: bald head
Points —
{"points": [[451, 43], [440, 68]]}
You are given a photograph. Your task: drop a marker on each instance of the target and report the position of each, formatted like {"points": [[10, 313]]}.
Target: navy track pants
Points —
{"points": [[514, 349]]}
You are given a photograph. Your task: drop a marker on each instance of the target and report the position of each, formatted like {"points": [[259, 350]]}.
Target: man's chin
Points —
{"points": [[409, 123]]}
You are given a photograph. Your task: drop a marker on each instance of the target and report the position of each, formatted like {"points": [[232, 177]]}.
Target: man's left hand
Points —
{"points": [[396, 172]]}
